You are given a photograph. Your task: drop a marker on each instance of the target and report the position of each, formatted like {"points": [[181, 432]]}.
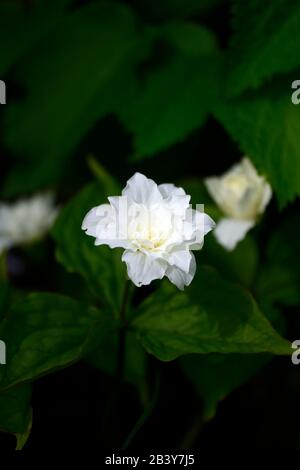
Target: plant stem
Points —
{"points": [[145, 415], [121, 354], [124, 303], [192, 434], [114, 403]]}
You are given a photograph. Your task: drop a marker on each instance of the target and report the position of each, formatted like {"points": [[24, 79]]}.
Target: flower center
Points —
{"points": [[149, 229], [237, 184]]}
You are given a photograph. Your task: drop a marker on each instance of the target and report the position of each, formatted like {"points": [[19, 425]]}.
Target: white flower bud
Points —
{"points": [[242, 195]]}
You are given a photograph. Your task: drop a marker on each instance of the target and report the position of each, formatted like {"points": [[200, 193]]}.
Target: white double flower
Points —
{"points": [[26, 220], [156, 227], [242, 195]]}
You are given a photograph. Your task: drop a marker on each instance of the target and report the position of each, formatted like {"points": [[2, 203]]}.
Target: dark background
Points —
{"points": [[69, 404]]}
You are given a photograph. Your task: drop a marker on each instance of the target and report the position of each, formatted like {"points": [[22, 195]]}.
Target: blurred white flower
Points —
{"points": [[242, 195], [156, 227], [26, 220]]}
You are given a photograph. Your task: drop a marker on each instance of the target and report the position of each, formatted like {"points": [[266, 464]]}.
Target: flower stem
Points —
{"points": [[114, 408], [121, 353], [124, 303], [193, 432], [145, 415]]}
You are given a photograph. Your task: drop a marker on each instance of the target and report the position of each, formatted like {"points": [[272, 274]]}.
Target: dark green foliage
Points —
{"points": [[183, 93]]}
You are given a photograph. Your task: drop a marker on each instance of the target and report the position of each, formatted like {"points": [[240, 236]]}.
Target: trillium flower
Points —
{"points": [[26, 220], [156, 227], [242, 195]]}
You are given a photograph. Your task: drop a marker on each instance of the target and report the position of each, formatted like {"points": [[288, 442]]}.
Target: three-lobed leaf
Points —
{"points": [[239, 265], [45, 332], [15, 412], [22, 29], [266, 42], [213, 315], [266, 127], [216, 375], [175, 97]]}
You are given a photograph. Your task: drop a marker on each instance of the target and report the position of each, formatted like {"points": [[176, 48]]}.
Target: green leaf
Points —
{"points": [[176, 97], [99, 265], [279, 284], [267, 127], [15, 412], [22, 28], [217, 375], [23, 437], [46, 332], [188, 38], [213, 315], [240, 265], [72, 81], [105, 358], [266, 42]]}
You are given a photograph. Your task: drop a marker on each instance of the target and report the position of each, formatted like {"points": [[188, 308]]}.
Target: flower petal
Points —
{"points": [[181, 278], [214, 187], [143, 269], [169, 190], [267, 196], [181, 259], [203, 222], [100, 222], [142, 190], [247, 167], [97, 215], [176, 198], [197, 225], [230, 231]]}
